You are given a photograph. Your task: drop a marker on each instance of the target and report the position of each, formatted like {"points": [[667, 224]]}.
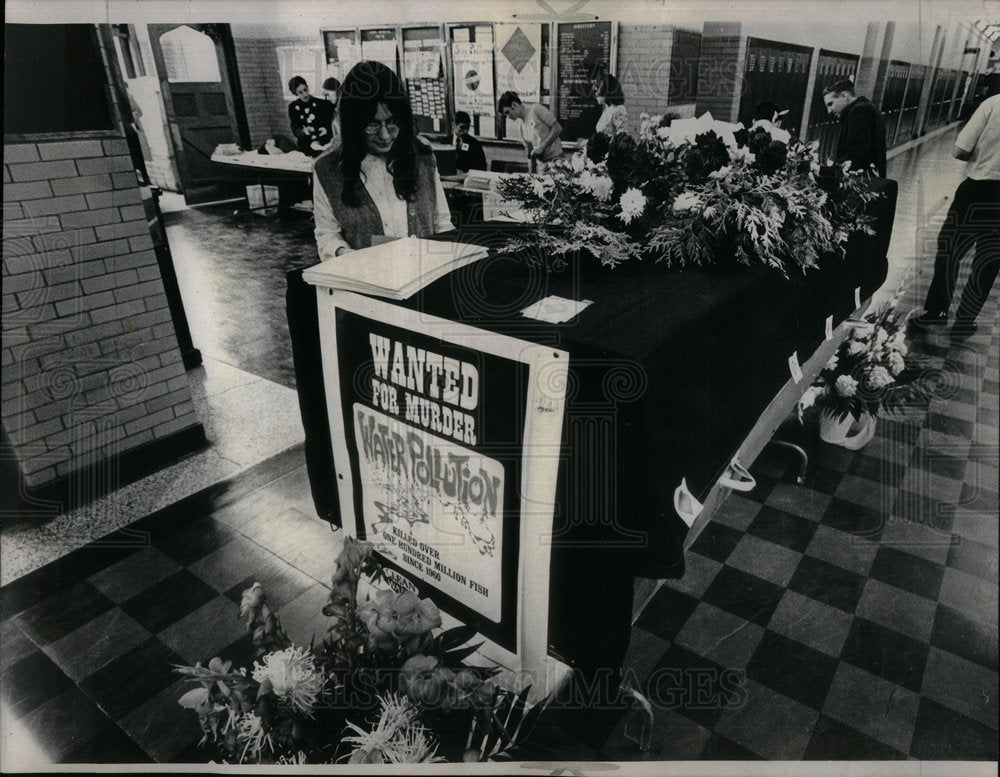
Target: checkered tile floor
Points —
{"points": [[854, 617]]}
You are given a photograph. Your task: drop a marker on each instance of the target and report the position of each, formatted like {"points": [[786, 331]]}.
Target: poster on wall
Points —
{"points": [[437, 463], [380, 45], [584, 54], [518, 50], [473, 77]]}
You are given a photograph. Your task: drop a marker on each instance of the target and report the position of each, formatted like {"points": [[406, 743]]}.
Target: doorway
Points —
{"points": [[199, 80]]}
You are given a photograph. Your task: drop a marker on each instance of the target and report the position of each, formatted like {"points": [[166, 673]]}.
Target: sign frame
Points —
{"points": [[542, 448]]}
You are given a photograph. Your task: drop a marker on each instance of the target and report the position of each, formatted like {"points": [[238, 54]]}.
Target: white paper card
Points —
{"points": [[555, 310], [857, 297], [794, 367], [829, 327]]}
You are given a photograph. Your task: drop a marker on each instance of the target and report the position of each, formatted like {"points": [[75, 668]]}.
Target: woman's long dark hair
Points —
{"points": [[365, 86]]}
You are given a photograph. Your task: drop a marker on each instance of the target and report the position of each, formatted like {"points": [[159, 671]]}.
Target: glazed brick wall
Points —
{"points": [[646, 63], [91, 365], [720, 71]]}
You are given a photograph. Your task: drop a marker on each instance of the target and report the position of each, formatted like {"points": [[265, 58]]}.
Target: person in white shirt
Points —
{"points": [[972, 220], [614, 117], [382, 182], [540, 130]]}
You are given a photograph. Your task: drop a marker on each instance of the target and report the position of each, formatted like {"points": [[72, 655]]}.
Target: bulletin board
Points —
{"points": [[585, 52], [424, 75]]}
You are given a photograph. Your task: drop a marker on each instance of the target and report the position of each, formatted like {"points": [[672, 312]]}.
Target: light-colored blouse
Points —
{"points": [[378, 182]]}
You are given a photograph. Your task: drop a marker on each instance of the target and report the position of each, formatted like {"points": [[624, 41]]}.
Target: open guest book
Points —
{"points": [[394, 269]]}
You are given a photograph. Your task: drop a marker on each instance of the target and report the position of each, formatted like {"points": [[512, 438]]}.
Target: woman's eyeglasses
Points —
{"points": [[391, 126]]}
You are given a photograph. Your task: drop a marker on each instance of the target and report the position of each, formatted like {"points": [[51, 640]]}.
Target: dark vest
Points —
{"points": [[359, 223]]}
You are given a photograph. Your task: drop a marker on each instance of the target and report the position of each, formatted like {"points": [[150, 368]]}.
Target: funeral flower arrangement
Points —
{"points": [[693, 191], [868, 372], [380, 687]]}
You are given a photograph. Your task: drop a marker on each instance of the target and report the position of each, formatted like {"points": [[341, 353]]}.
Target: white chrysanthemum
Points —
{"points": [[846, 386], [250, 730], [398, 737], [880, 336], [663, 133], [896, 363], [879, 377], [294, 677], [599, 185], [855, 347], [832, 364], [577, 162], [632, 203], [722, 173], [687, 201], [539, 186]]}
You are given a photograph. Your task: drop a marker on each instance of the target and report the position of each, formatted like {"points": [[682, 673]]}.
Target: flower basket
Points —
{"points": [[847, 431]]}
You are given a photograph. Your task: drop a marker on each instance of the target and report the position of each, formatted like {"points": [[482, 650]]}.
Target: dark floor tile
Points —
{"points": [[950, 425], [64, 722], [716, 541], [37, 586], [827, 583], [694, 686], [979, 497], [667, 612], [30, 682], [942, 734], [765, 484], [886, 653], [987, 416], [876, 469], [64, 611], [782, 528], [750, 597], [190, 543], [169, 600], [14, 645], [125, 683], [823, 479], [924, 509], [833, 741], [853, 519], [974, 558], [721, 748], [904, 570], [108, 745], [970, 638], [943, 464], [791, 668]]}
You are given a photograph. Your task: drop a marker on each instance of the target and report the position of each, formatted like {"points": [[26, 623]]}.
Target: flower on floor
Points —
{"points": [[693, 191], [380, 686], [868, 372]]}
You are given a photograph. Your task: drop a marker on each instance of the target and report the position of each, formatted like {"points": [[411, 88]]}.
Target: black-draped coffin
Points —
{"points": [[669, 371]]}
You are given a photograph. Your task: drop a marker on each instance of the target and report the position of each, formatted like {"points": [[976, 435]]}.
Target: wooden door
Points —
{"points": [[199, 96]]}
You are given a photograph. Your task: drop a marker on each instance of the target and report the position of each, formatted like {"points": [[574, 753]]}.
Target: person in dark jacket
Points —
{"points": [[469, 154], [310, 118], [862, 130]]}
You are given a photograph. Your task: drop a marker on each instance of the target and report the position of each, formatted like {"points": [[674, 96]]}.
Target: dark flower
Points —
{"points": [[771, 158], [597, 147]]}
